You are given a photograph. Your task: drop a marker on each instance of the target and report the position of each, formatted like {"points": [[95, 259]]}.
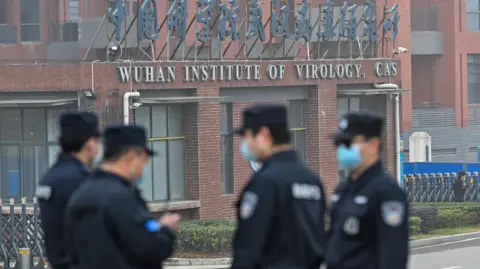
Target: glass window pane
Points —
{"points": [[176, 169], [473, 21], [472, 5], [301, 145], [30, 32], [159, 121], [10, 167], [53, 152], [354, 105], [160, 187], [53, 123], [295, 114], [34, 128], [146, 184], [10, 125], [30, 11], [34, 166], [142, 118], [175, 120], [342, 106], [226, 117]]}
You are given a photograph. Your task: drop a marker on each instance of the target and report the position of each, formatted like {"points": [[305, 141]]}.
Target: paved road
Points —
{"points": [[460, 255]]}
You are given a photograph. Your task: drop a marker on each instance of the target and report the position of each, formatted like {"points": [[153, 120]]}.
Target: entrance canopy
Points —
{"points": [[178, 100], [372, 91]]}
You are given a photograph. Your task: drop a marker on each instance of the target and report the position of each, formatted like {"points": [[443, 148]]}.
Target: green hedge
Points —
{"points": [[217, 235], [415, 224], [446, 215], [205, 236]]}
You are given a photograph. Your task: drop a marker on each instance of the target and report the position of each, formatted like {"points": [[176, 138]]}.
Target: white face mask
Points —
{"points": [[98, 158]]}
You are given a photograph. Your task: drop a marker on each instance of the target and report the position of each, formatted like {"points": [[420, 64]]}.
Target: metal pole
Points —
{"points": [[24, 258], [397, 139]]}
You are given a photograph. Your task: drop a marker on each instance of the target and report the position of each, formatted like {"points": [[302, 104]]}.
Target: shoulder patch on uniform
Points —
{"points": [[248, 204], [361, 200], [43, 192], [152, 225], [306, 191], [393, 213]]}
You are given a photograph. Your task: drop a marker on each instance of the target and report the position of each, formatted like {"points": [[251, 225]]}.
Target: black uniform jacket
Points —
{"points": [[369, 223], [280, 217], [110, 227], [53, 192]]}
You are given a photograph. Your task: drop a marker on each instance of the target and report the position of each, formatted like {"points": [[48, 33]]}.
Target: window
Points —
{"points": [[345, 105], [73, 10], [473, 15], [164, 177], [226, 148], [30, 20], [296, 122], [3, 11], [473, 77], [28, 146]]}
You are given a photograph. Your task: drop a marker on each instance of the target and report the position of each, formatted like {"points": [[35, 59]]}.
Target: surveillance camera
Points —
{"points": [[136, 105], [400, 50]]}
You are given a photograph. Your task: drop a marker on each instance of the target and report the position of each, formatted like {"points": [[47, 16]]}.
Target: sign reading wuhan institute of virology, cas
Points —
{"points": [[238, 72], [215, 18]]}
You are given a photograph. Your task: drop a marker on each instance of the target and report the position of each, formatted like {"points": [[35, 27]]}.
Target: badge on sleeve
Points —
{"points": [[351, 226], [43, 192], [248, 204], [392, 213], [152, 226]]}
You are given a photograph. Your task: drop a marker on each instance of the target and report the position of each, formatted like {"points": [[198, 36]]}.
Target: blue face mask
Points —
{"points": [[246, 152], [139, 181], [348, 158]]}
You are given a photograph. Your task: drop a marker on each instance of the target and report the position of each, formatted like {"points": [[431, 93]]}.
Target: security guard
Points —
{"points": [[281, 209], [81, 146], [369, 212], [109, 223]]}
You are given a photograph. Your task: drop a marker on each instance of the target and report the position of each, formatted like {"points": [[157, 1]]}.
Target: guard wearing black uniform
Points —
{"points": [[281, 209], [81, 146], [109, 223], [369, 212]]}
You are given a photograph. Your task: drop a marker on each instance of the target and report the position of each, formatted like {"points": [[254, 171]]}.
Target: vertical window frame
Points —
{"points": [[226, 148], [298, 130]]}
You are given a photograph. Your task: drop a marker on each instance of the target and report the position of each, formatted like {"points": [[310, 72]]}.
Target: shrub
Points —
{"points": [[428, 215], [415, 225], [205, 236], [449, 215]]}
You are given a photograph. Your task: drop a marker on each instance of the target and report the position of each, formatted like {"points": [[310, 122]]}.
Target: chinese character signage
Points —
{"points": [[222, 20]]}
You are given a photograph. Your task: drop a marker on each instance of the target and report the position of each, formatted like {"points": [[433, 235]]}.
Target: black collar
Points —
{"points": [[69, 158], [102, 174], [372, 172], [281, 156]]}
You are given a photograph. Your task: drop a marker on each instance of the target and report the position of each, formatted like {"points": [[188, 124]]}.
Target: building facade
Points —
{"points": [[189, 96], [445, 79]]}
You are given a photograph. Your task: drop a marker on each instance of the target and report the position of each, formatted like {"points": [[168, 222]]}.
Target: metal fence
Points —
{"points": [[438, 187], [20, 228]]}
